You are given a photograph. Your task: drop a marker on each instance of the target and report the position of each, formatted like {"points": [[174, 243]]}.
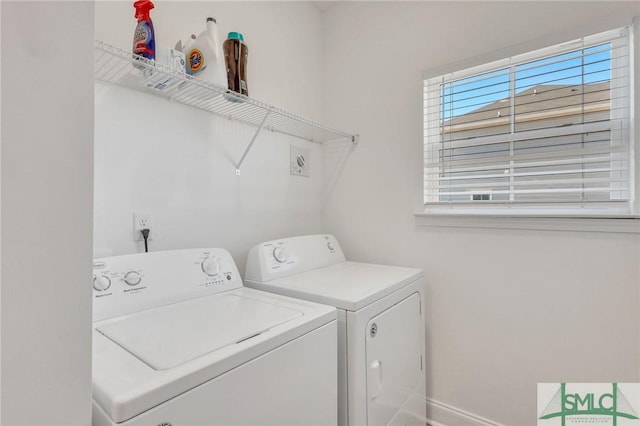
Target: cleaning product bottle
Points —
{"points": [[236, 55], [204, 56], [144, 41], [185, 45]]}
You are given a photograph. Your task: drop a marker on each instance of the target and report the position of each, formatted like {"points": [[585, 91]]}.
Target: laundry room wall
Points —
{"points": [[178, 163], [506, 309], [46, 211]]}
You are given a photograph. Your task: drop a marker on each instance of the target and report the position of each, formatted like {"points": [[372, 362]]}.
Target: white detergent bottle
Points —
{"points": [[204, 56], [185, 46]]}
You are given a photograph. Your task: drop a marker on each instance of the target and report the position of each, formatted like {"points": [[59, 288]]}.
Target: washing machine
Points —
{"points": [[381, 327], [178, 340]]}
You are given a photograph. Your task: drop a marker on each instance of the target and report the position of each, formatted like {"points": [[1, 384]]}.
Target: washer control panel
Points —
{"points": [[288, 256], [131, 283]]}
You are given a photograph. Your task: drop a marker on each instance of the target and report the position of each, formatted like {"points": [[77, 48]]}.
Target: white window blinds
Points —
{"points": [[544, 130]]}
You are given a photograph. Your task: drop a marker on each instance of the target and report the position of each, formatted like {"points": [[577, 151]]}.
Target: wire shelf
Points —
{"points": [[114, 65]]}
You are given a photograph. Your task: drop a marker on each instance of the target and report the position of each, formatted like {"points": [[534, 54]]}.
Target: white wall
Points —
{"points": [[177, 163], [506, 308], [46, 187], [0, 212]]}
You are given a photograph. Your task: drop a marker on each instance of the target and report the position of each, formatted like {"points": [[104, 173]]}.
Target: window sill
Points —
{"points": [[623, 224]]}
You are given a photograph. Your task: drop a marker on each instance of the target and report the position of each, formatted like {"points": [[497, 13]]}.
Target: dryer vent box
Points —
{"points": [[300, 161]]}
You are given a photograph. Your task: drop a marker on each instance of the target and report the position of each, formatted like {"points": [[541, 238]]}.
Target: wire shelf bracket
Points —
{"points": [[253, 139]]}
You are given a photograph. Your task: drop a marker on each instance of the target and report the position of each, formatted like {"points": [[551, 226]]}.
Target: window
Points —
{"points": [[543, 132]]}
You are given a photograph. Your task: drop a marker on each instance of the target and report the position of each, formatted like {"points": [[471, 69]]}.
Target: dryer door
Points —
{"points": [[394, 359]]}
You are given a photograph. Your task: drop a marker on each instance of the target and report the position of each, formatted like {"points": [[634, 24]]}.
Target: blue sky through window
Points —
{"points": [[584, 66]]}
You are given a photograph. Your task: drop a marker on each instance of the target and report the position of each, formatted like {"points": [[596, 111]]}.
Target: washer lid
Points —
{"points": [[169, 336], [346, 285], [124, 383]]}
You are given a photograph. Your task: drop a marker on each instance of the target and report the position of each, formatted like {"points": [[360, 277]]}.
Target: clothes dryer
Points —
{"points": [[178, 340], [381, 327]]}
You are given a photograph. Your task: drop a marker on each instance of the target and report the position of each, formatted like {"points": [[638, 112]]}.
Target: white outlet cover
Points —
{"points": [[138, 220], [300, 162]]}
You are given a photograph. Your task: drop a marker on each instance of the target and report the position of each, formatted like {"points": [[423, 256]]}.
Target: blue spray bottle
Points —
{"points": [[144, 41]]}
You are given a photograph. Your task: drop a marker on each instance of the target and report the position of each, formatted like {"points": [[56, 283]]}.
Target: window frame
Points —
{"points": [[609, 209]]}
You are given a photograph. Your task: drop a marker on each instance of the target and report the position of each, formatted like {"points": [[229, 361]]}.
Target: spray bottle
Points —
{"points": [[144, 41]]}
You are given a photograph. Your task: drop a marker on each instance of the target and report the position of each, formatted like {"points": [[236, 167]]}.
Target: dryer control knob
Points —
{"points": [[211, 266], [280, 254], [132, 278], [101, 283]]}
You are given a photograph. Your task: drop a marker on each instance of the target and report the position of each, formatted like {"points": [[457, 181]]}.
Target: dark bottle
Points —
{"points": [[235, 57]]}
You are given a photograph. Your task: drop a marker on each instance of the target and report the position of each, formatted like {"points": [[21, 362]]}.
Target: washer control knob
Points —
{"points": [[280, 254], [211, 266], [330, 246], [101, 283], [132, 278]]}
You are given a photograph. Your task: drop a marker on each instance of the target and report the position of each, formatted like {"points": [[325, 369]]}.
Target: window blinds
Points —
{"points": [[546, 129]]}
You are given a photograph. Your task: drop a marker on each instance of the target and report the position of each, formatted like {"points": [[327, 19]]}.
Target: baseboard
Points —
{"points": [[441, 414]]}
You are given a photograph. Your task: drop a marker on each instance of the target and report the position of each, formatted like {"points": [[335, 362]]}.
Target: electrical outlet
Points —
{"points": [[142, 221]]}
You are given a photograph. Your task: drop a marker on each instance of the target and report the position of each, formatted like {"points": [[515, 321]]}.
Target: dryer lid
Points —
{"points": [[171, 335], [346, 285]]}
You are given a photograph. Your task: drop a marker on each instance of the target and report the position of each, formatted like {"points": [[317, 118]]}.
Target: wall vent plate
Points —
{"points": [[300, 161]]}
